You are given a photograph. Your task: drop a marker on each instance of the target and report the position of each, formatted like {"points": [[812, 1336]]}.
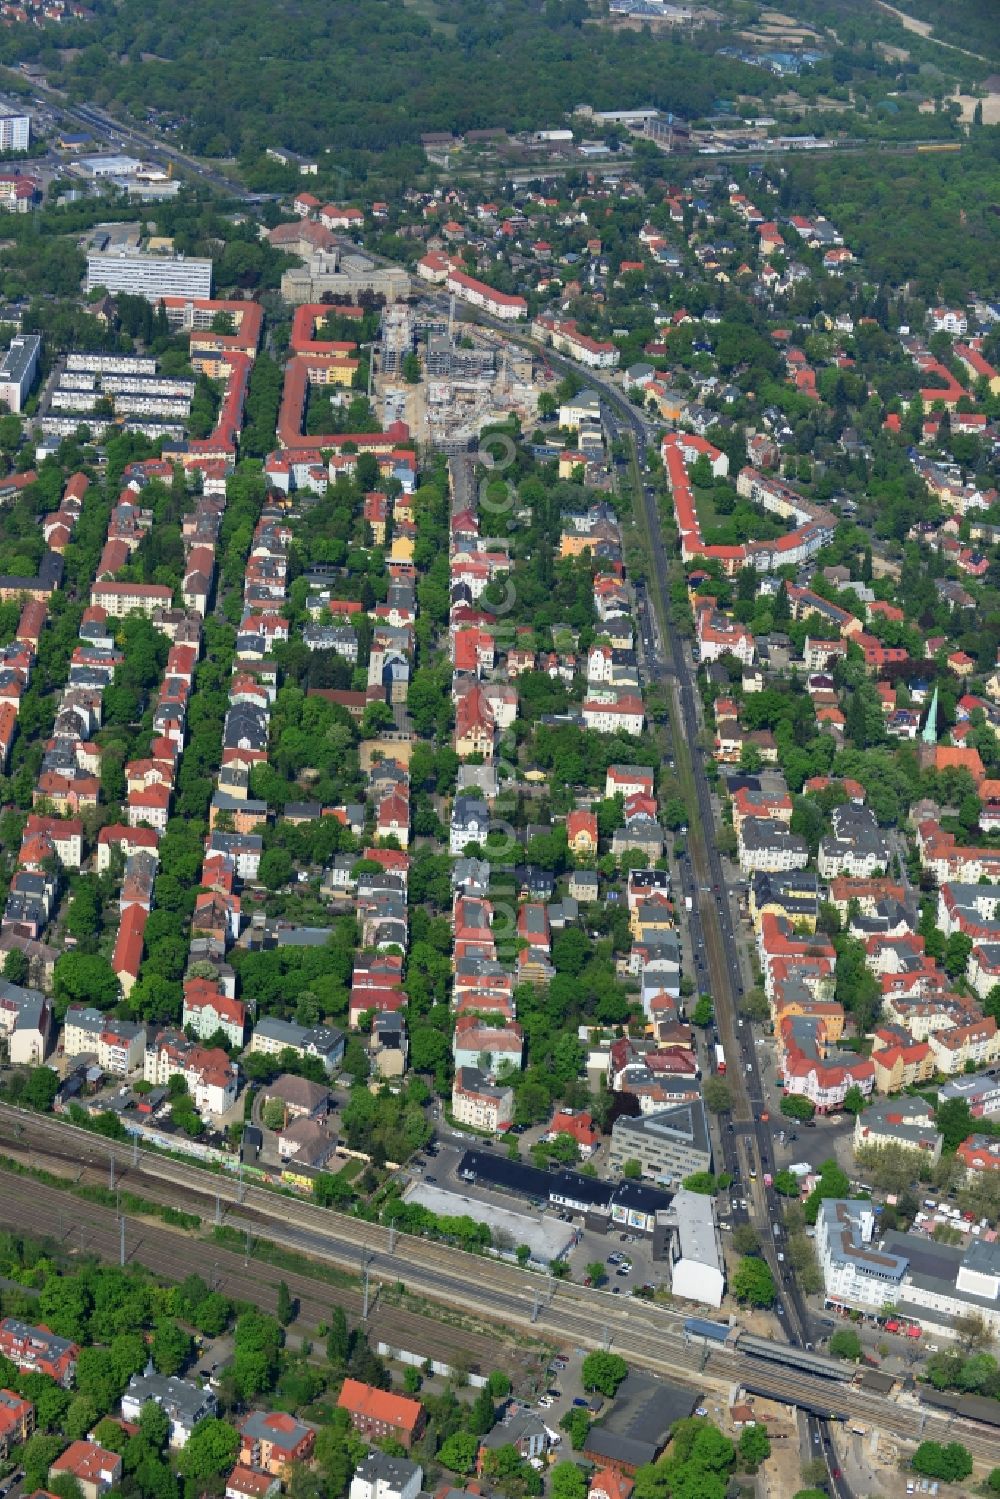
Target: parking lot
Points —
{"points": [[437, 1166]]}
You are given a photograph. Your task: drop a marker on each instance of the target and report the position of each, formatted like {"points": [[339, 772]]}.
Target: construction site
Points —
{"points": [[469, 377]]}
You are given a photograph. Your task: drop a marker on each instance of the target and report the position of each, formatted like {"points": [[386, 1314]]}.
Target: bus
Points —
{"points": [[720, 1059]]}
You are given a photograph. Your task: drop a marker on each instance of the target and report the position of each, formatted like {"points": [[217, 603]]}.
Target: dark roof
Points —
{"points": [[641, 1198], [637, 1427], [975, 1407], [510, 1176]]}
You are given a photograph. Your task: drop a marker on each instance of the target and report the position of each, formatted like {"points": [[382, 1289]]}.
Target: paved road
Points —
{"points": [[90, 119]]}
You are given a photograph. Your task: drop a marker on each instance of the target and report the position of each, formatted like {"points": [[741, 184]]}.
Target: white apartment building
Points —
{"points": [[150, 276], [15, 132], [18, 368], [119, 1045], [480, 1104], [379, 1476], [929, 1283]]}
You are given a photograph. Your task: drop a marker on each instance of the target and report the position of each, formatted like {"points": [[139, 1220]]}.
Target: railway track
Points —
{"points": [[525, 1304]]}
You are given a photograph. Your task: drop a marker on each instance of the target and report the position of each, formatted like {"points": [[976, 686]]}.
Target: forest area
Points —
{"points": [[303, 77]]}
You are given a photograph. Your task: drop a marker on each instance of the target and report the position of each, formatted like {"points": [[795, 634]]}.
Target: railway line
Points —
{"points": [[84, 1228], [550, 1311]]}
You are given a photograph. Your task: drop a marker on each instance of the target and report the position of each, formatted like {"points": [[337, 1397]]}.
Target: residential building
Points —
{"points": [[37, 1350], [768, 846], [476, 1043], [979, 1153], [856, 847], [17, 1421], [212, 1079], [95, 1469], [25, 1023], [183, 1403], [981, 1093], [379, 1476], [272, 1036], [378, 1413], [521, 1429], [480, 1104], [151, 276], [273, 1440], [119, 1045], [687, 1234], [927, 1282], [907, 1122], [19, 365], [207, 1010], [15, 131], [249, 1483]]}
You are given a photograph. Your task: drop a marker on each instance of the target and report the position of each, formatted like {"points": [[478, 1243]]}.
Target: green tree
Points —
{"points": [[603, 1372], [703, 1012], [37, 1456], [854, 1100], [794, 1106], [171, 1347], [16, 967], [833, 1182], [786, 1184], [337, 1340], [595, 1272], [80, 1417], [576, 1424], [753, 1282], [40, 1088], [286, 1306], [954, 1119], [566, 1481], [702, 1182], [458, 1453], [949, 1461], [716, 1093], [209, 1451], [846, 1344], [482, 1416], [754, 1446]]}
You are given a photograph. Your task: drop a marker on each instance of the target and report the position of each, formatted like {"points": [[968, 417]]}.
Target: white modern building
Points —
{"points": [[184, 1404], [150, 276], [379, 1476], [15, 132], [922, 1281], [693, 1247], [18, 369]]}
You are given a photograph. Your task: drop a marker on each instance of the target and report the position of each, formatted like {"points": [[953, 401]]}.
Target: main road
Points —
{"points": [[714, 938]]}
